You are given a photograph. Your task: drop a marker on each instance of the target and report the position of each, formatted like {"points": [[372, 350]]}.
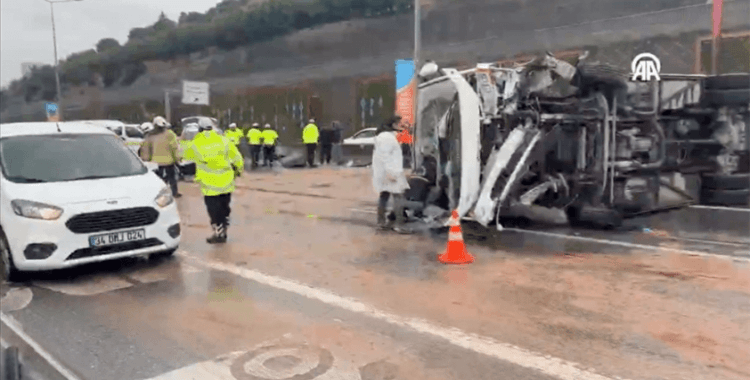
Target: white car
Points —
{"points": [[72, 194], [363, 137], [130, 133], [197, 120], [357, 150]]}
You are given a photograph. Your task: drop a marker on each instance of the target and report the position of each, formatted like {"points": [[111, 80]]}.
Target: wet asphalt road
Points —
{"points": [[242, 312]]}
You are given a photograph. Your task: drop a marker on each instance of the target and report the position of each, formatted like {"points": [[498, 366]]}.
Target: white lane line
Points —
{"points": [[365, 211], [724, 208], [704, 241], [559, 368], [14, 326], [632, 245]]}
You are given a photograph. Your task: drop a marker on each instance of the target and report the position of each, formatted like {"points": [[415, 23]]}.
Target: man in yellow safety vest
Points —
{"points": [[234, 135], [269, 144], [253, 138], [218, 163], [310, 137], [161, 147]]}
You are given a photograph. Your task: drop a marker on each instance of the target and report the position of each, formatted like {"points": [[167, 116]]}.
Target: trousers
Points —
{"points": [[311, 154], [168, 175], [218, 208], [326, 151], [269, 154], [255, 154], [398, 207]]}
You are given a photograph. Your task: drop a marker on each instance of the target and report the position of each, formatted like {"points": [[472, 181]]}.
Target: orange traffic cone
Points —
{"points": [[456, 252]]}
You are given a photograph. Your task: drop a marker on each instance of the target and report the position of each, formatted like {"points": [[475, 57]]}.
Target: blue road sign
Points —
{"points": [[51, 108]]}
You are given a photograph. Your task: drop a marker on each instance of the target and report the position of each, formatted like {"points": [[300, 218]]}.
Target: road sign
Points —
{"points": [[195, 93], [51, 109]]}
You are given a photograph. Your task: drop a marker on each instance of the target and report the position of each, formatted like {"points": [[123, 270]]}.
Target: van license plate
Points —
{"points": [[117, 237]]}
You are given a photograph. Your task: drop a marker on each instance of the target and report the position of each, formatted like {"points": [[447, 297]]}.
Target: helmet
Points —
{"points": [[161, 122], [147, 127], [267, 126], [256, 125], [311, 121], [233, 125], [206, 124]]}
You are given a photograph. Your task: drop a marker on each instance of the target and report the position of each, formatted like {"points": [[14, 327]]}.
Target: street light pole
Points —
{"points": [[57, 69], [54, 43]]}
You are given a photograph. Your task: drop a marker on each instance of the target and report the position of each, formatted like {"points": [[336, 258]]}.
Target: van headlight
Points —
{"points": [[164, 198], [35, 210]]}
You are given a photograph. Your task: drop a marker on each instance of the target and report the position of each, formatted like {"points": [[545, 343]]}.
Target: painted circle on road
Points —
{"points": [[16, 299], [282, 362]]}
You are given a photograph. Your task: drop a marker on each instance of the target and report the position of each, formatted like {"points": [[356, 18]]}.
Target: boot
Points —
{"points": [[213, 239], [222, 233], [382, 224]]}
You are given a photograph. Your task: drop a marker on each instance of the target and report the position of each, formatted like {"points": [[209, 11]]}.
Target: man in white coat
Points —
{"points": [[388, 177]]}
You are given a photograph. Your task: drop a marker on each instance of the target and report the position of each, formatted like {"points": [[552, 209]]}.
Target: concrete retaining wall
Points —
{"points": [[345, 63]]}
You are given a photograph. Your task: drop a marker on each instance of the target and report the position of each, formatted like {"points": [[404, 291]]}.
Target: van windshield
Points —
{"points": [[66, 157]]}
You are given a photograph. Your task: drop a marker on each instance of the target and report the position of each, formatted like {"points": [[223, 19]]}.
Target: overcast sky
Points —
{"points": [[26, 28]]}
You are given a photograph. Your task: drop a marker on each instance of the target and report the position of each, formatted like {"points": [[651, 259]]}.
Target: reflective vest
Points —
{"points": [[404, 137], [234, 135], [310, 134], [161, 148], [269, 137], [216, 160], [253, 136]]}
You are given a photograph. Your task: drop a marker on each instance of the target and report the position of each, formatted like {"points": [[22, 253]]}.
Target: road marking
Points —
{"points": [[726, 243], [108, 282], [550, 366], [14, 326], [297, 361], [365, 211], [724, 208], [631, 245], [85, 287], [16, 299]]}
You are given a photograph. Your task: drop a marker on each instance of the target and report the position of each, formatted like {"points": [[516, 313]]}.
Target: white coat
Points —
{"points": [[388, 165]]}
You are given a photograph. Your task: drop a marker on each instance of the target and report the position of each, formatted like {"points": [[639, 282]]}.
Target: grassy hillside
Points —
{"points": [[228, 25]]}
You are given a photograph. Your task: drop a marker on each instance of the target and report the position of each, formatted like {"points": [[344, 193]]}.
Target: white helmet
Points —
{"points": [[312, 121], [147, 127], [267, 126], [205, 123], [233, 125], [256, 125], [161, 122]]}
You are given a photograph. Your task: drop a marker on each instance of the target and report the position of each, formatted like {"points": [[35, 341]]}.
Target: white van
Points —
{"points": [[72, 193], [130, 133]]}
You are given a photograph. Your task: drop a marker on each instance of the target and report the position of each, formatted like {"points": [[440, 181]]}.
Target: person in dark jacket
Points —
{"points": [[326, 145]]}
